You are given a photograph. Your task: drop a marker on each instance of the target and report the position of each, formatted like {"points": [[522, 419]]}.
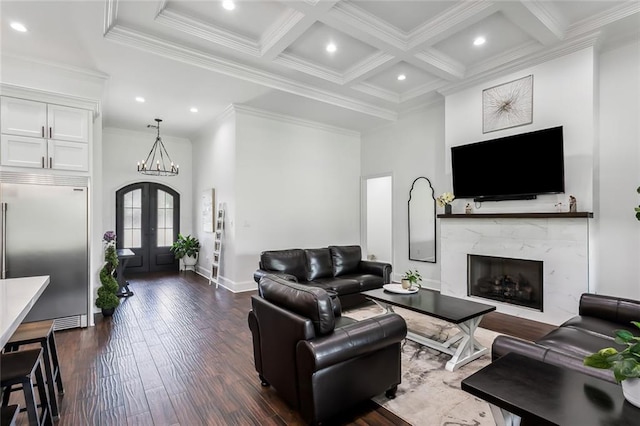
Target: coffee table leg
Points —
{"points": [[503, 417], [468, 349]]}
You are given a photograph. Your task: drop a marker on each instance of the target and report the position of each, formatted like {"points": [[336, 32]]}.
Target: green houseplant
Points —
{"points": [[187, 249], [107, 299], [411, 279], [625, 364], [637, 209]]}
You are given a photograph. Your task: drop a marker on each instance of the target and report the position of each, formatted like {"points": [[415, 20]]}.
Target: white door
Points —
{"points": [[67, 124], [65, 155], [378, 221], [23, 118], [20, 151]]}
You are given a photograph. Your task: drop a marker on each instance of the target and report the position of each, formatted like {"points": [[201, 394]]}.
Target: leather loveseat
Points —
{"points": [[335, 268], [593, 329], [320, 362]]}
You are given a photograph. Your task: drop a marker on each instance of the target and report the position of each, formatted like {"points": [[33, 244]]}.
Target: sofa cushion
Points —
{"points": [[366, 281], [345, 259], [291, 262], [340, 285], [308, 301], [598, 326], [318, 263], [575, 342]]}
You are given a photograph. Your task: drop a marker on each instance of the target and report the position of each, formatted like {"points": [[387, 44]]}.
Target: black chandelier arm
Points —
{"points": [[157, 155]]}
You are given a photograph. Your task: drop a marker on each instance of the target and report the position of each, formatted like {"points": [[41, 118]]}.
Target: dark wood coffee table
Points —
{"points": [[521, 389], [466, 315]]}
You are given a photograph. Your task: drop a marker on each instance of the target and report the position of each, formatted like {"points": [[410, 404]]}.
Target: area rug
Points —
{"points": [[429, 394]]}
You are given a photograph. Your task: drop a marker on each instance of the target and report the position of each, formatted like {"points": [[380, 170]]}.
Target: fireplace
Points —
{"points": [[506, 280]]}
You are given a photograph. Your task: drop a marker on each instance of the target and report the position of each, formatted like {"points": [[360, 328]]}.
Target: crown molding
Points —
{"points": [[371, 63], [15, 91], [432, 100], [443, 63], [566, 48], [302, 65], [513, 54], [461, 13], [152, 44], [377, 91], [261, 113], [422, 90], [110, 14], [84, 73], [279, 30], [208, 32], [549, 16], [604, 18]]}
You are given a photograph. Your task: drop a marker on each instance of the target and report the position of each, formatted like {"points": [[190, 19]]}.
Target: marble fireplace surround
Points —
{"points": [[559, 240]]}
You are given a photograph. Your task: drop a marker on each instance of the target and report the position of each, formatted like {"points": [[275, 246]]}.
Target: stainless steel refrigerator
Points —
{"points": [[45, 232]]}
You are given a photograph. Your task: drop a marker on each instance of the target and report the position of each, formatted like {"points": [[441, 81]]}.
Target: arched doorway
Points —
{"points": [[148, 222]]}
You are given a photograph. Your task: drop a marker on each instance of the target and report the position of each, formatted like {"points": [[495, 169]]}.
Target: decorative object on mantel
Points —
{"points": [[507, 105], [107, 299], [468, 209], [573, 204], [637, 209], [158, 162], [445, 201], [624, 364], [411, 279], [559, 206]]}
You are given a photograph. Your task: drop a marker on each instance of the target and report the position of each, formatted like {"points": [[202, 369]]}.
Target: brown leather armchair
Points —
{"points": [[319, 361]]}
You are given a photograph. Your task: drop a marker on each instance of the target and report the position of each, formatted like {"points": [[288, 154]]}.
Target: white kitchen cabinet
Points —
{"points": [[44, 136]]}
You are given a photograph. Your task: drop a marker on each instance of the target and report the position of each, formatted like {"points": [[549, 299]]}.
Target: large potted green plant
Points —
{"points": [[107, 299], [187, 249], [625, 364]]}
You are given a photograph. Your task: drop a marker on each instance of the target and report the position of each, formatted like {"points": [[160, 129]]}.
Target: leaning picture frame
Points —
{"points": [[508, 105], [208, 209]]}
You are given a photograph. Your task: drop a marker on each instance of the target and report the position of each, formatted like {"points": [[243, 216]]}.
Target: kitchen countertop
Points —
{"points": [[17, 297]]}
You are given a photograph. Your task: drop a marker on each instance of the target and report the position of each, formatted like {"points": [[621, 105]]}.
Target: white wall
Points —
{"points": [[563, 95], [379, 218], [214, 159], [297, 185], [409, 148], [618, 250], [121, 150]]}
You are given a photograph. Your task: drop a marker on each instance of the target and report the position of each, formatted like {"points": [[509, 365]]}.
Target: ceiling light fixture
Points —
{"points": [[193, 109], [479, 41], [228, 4], [140, 99], [158, 158], [331, 48], [19, 27], [402, 77]]}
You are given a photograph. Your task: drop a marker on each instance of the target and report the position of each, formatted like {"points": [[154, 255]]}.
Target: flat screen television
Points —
{"points": [[517, 167]]}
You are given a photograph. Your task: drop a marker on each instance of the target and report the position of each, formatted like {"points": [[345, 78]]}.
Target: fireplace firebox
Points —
{"points": [[507, 280]]}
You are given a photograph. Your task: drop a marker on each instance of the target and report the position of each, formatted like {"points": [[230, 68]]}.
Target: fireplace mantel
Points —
{"points": [[549, 215]]}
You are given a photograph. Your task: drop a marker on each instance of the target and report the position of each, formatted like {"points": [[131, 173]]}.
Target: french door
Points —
{"points": [[147, 223]]}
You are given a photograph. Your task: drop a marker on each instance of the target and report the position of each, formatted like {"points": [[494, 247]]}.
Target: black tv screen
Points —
{"points": [[510, 168]]}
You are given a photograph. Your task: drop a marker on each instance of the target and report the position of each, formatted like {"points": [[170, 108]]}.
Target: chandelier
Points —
{"points": [[158, 162]]}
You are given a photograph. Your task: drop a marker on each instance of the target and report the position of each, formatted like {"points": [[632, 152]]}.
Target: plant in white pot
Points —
{"points": [[625, 364], [187, 249], [411, 279]]}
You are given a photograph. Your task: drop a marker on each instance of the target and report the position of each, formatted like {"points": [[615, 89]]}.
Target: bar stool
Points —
{"points": [[9, 414], [19, 368], [41, 332]]}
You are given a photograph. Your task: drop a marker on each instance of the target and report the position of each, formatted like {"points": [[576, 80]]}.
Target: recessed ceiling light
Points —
{"points": [[402, 77], [139, 99], [228, 4], [19, 27], [331, 48], [193, 109], [479, 41]]}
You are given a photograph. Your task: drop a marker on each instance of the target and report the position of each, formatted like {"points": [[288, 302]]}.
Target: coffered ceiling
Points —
{"points": [[273, 54]]}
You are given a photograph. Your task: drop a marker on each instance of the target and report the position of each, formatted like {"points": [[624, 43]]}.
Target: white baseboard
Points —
{"points": [[232, 286]]}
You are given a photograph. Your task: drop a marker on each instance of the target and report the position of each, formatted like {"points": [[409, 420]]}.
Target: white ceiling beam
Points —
{"points": [[606, 17], [541, 20], [438, 63], [372, 65]]}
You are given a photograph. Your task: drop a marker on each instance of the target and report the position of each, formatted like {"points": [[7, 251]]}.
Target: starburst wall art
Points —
{"points": [[507, 105]]}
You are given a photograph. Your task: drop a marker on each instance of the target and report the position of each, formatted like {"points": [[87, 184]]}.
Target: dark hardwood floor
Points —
{"points": [[179, 352]]}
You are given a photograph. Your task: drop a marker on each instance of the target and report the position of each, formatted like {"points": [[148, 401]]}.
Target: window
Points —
{"points": [[132, 207], [165, 219]]}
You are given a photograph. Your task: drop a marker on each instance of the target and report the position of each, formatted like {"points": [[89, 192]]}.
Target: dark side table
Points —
{"points": [[123, 285], [522, 390]]}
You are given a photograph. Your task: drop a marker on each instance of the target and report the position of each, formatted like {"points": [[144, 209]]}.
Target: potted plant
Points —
{"points": [[637, 209], [625, 364], [107, 299], [445, 201], [187, 249], [411, 279]]}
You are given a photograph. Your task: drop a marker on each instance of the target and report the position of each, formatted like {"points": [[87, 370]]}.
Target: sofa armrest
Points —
{"points": [[502, 345], [258, 274], [376, 268], [351, 341], [610, 308]]}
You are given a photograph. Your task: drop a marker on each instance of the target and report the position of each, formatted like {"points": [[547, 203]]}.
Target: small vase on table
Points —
{"points": [[447, 209]]}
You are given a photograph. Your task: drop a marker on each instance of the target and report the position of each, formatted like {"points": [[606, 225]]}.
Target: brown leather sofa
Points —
{"points": [[320, 362], [336, 268], [593, 329]]}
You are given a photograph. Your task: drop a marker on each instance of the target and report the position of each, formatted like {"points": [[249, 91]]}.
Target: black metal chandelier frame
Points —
{"points": [[158, 162]]}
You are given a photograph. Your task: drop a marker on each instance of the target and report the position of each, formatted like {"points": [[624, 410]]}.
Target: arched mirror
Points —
{"points": [[422, 221]]}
